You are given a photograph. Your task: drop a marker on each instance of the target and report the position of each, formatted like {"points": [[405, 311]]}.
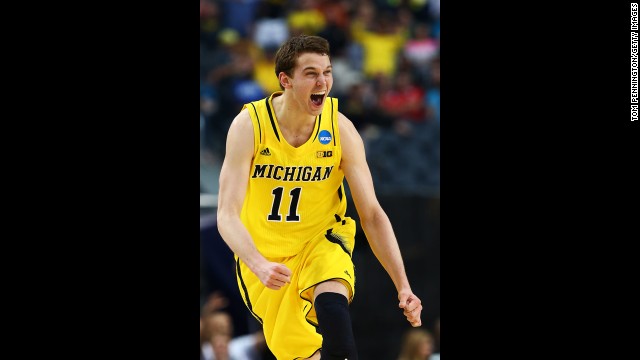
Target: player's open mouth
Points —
{"points": [[318, 98]]}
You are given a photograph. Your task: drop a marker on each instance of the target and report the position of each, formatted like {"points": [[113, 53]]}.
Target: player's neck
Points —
{"points": [[289, 113]]}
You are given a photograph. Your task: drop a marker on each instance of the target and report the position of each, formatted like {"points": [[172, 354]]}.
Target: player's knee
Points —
{"points": [[334, 321]]}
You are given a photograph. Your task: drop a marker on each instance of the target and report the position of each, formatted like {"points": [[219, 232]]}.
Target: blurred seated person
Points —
{"points": [[417, 344], [218, 328]]}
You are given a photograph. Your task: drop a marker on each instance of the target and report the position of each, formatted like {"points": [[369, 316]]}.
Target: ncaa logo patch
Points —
{"points": [[325, 137]]}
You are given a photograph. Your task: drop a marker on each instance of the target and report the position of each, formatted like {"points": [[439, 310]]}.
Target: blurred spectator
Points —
{"points": [[417, 344], [245, 90], [362, 107], [220, 344], [271, 32], [381, 41], [209, 23], [215, 302], [305, 18], [263, 71], [355, 105], [336, 31], [231, 73], [436, 333], [336, 12], [234, 59], [422, 47], [404, 101], [405, 18], [220, 290], [382, 116], [271, 28], [362, 18], [347, 76], [240, 14]]}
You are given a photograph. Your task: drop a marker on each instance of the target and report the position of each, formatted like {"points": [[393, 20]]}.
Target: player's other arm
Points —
{"points": [[374, 220], [234, 179]]}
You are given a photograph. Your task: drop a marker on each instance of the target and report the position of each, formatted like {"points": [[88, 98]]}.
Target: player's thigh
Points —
{"points": [[333, 286]]}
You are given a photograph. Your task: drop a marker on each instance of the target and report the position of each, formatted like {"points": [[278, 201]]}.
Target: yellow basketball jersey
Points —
{"points": [[293, 193]]}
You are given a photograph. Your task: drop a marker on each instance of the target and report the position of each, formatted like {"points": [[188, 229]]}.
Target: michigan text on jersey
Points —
{"points": [[291, 173]]}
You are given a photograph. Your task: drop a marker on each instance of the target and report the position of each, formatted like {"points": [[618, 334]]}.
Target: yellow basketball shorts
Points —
{"points": [[287, 315]]}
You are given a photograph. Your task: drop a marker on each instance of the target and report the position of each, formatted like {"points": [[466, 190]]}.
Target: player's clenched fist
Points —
{"points": [[412, 307], [274, 275]]}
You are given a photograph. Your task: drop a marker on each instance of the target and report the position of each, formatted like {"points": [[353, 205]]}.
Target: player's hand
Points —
{"points": [[274, 275], [412, 307]]}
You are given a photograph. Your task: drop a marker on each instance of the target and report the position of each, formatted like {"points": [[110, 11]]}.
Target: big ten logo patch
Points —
{"points": [[324, 154]]}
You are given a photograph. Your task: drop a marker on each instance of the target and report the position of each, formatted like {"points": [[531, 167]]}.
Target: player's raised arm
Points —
{"points": [[234, 178], [374, 220]]}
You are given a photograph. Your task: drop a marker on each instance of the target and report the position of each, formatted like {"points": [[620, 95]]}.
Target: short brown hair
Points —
{"points": [[288, 53]]}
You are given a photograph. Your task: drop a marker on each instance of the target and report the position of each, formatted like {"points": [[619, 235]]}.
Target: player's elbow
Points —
{"points": [[223, 218], [374, 217]]}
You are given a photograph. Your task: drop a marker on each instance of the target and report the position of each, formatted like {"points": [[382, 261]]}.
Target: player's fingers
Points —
{"points": [[414, 300], [411, 308], [413, 317], [274, 284], [271, 280], [411, 302], [403, 302], [413, 314], [283, 269], [285, 272], [281, 278], [276, 273]]}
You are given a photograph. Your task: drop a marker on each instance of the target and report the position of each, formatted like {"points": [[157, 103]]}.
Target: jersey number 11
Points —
{"points": [[293, 208]]}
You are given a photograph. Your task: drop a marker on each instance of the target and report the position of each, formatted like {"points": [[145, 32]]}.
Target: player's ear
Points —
{"points": [[285, 81]]}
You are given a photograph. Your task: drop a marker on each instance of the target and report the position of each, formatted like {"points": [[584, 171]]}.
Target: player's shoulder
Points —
{"points": [[240, 137], [345, 125], [243, 117], [343, 120], [242, 122]]}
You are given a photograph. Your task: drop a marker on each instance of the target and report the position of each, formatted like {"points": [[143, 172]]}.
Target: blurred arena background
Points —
{"points": [[386, 64]]}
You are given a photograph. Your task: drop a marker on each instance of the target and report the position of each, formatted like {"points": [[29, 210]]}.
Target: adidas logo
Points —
{"points": [[265, 152]]}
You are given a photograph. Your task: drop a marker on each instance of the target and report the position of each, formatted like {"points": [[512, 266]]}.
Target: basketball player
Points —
{"points": [[282, 210]]}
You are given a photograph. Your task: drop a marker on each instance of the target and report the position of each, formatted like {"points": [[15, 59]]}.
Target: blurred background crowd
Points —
{"points": [[386, 67]]}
